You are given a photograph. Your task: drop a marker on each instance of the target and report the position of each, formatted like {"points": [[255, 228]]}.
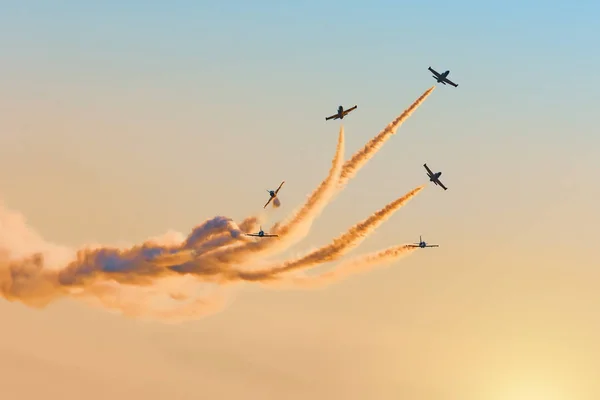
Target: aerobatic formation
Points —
{"points": [[174, 278]]}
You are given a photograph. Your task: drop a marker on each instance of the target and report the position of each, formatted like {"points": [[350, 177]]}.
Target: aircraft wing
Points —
{"points": [[268, 235], [434, 71], [335, 116], [433, 245], [441, 184], [350, 109], [448, 81], [270, 198], [252, 234], [428, 170], [277, 191]]}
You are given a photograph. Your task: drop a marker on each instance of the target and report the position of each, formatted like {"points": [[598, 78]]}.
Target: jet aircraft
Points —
{"points": [[435, 178], [341, 113], [443, 77], [261, 233], [422, 244], [273, 194]]}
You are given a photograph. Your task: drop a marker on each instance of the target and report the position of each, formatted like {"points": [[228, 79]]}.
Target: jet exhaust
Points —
{"points": [[177, 278]]}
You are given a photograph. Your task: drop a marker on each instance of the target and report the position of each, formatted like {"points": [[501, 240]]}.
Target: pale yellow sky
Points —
{"points": [[504, 307], [117, 126]]}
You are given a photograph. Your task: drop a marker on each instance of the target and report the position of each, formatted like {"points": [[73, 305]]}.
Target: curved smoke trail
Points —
{"points": [[360, 158], [35, 272], [302, 220], [300, 223], [357, 265], [331, 252]]}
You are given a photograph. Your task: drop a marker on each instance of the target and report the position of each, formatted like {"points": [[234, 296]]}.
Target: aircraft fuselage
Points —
{"points": [[341, 112], [443, 76], [435, 176], [272, 193], [440, 79]]}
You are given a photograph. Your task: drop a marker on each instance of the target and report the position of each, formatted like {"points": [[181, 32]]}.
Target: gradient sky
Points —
{"points": [[122, 120]]}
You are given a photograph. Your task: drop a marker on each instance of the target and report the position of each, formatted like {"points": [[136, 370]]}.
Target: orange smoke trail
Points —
{"points": [[360, 158], [210, 251], [345, 269], [340, 246], [25, 258], [217, 233], [298, 226]]}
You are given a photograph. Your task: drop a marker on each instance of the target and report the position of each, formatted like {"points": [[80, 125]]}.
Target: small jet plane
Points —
{"points": [[443, 77], [435, 178], [341, 113], [261, 233], [273, 194], [422, 244]]}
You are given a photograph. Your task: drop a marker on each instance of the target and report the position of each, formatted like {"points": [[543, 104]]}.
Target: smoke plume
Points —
{"points": [[177, 277], [339, 247], [354, 266], [298, 226], [352, 166]]}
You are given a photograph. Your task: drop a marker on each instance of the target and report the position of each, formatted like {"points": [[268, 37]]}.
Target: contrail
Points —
{"points": [[211, 228], [320, 198], [29, 281], [250, 224], [298, 226], [132, 280], [360, 158], [357, 265], [302, 219], [340, 246], [213, 234], [26, 259]]}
